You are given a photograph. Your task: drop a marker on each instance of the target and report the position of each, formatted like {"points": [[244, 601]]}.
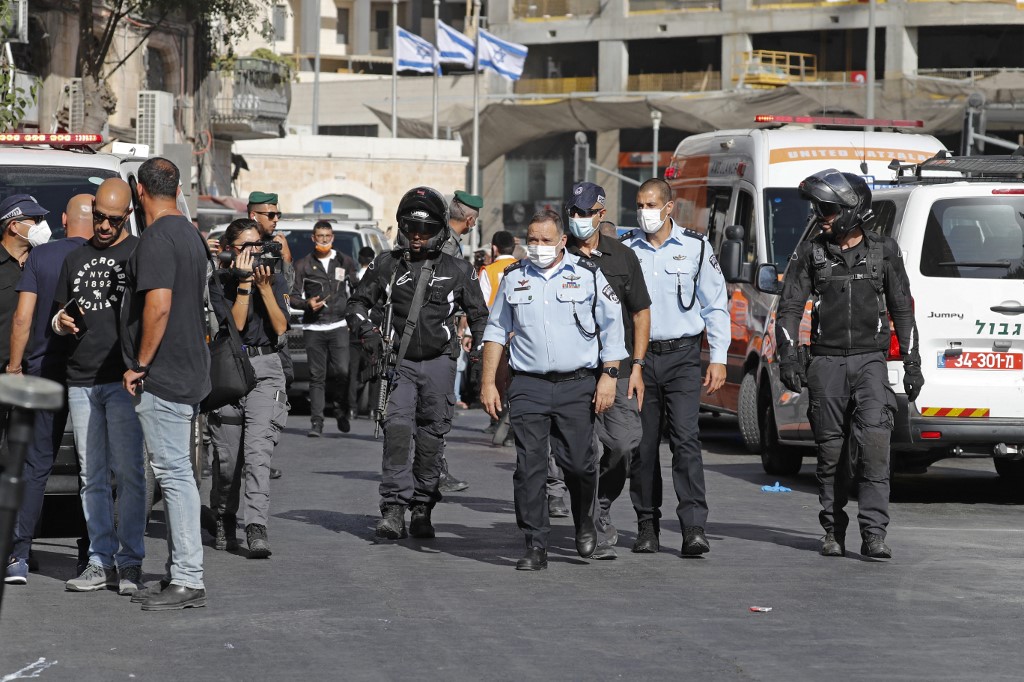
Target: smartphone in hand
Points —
{"points": [[74, 310]]}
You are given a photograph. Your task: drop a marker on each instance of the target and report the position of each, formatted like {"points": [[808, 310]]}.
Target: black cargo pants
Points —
{"points": [[851, 413]]}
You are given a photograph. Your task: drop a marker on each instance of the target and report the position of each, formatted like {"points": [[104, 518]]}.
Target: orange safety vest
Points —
{"points": [[494, 273]]}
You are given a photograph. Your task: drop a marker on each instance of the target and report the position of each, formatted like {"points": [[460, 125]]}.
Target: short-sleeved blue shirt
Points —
{"points": [[40, 275]]}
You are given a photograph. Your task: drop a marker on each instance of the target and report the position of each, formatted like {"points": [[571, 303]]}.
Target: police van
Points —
{"points": [[744, 182], [959, 223], [53, 168]]}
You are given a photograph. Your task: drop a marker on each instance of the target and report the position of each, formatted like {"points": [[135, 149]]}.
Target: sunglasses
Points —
{"points": [[114, 220], [577, 212], [823, 209], [273, 215]]}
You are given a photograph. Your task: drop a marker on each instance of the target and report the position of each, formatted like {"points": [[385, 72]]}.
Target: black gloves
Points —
{"points": [[373, 345], [913, 379], [791, 370]]}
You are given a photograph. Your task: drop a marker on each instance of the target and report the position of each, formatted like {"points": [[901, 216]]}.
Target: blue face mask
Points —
{"points": [[581, 228]]}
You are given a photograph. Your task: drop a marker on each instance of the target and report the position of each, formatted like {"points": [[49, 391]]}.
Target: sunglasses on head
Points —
{"points": [[114, 220], [824, 209], [273, 215]]}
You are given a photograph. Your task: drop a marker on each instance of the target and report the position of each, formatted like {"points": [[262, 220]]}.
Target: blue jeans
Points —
{"points": [[109, 439], [167, 428]]}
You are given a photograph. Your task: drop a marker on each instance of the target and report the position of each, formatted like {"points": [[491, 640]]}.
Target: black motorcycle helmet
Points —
{"points": [[423, 211], [843, 195]]}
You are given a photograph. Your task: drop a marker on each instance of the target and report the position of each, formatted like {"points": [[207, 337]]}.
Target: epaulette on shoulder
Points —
{"points": [[693, 233], [587, 263], [627, 236], [515, 266]]}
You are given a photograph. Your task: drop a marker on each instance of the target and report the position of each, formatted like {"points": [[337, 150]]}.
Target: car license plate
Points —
{"points": [[982, 360]]}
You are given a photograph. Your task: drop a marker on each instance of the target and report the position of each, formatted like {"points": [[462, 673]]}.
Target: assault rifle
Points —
{"points": [[385, 368]]}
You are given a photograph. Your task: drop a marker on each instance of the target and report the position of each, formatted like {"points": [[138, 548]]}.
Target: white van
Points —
{"points": [[748, 178], [963, 245]]}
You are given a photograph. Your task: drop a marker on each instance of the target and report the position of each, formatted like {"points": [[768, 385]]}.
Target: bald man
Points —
{"points": [[30, 329], [108, 434]]}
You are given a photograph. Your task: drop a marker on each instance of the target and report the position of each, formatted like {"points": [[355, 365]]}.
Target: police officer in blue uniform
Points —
{"points": [[564, 357], [688, 297]]}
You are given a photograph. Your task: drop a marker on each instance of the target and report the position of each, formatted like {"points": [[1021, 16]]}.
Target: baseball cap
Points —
{"points": [[18, 205], [586, 194]]}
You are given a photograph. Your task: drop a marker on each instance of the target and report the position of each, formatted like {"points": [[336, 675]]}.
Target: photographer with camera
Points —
{"points": [[244, 434]]}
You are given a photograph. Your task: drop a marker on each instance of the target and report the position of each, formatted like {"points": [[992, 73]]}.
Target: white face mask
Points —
{"points": [[540, 255], [650, 219], [581, 228], [37, 234]]}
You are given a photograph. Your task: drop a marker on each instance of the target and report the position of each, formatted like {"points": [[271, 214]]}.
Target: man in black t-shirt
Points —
{"points": [[108, 436], [163, 340]]}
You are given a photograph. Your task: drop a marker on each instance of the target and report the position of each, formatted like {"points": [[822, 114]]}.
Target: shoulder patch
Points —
{"points": [[609, 293], [515, 266], [714, 263], [587, 263], [692, 233], [627, 236]]}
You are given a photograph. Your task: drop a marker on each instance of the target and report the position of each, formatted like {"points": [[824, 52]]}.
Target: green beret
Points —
{"points": [[262, 198], [474, 201]]}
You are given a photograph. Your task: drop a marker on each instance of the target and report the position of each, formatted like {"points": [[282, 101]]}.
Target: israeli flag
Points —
{"points": [[504, 58], [415, 53], [455, 47]]}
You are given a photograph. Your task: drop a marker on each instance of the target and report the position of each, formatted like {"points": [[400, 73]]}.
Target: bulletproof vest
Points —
{"points": [[823, 267]]}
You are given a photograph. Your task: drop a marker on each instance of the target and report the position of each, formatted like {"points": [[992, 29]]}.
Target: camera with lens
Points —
{"points": [[268, 257]]}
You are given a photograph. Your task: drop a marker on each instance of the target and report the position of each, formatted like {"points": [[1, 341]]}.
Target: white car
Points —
{"points": [[963, 246]]}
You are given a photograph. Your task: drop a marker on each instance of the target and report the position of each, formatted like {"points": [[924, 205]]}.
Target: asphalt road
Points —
{"points": [[333, 604]]}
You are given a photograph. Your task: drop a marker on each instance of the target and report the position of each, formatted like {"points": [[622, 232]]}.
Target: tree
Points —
{"points": [[14, 98], [232, 19]]}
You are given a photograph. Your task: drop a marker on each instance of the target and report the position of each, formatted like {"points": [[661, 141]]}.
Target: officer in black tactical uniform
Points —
{"points": [[421, 403], [859, 282]]}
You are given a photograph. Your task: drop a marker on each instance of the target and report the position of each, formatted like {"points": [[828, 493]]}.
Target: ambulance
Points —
{"points": [[743, 184]]}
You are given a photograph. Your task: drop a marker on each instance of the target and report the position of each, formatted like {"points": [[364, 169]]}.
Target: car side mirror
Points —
{"points": [[730, 256], [767, 279]]}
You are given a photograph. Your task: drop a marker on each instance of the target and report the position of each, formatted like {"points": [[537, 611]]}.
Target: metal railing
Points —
{"points": [[686, 81], [555, 86], [969, 75], [771, 68], [651, 6], [254, 96], [555, 9]]}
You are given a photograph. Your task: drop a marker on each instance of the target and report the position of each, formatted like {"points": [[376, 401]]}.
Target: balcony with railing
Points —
{"points": [[544, 10], [250, 100], [687, 81], [555, 86], [773, 69], [659, 6]]}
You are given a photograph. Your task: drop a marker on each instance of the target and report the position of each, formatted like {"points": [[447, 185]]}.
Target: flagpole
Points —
{"points": [[394, 68], [437, 66], [474, 177]]}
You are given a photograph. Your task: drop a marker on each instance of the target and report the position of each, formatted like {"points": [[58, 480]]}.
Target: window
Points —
{"points": [[156, 70], [703, 208], [786, 215], [382, 24], [885, 217], [341, 32], [975, 238], [349, 130], [745, 219], [280, 22]]}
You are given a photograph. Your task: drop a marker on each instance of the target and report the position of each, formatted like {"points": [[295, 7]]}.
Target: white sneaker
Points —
{"points": [[93, 578]]}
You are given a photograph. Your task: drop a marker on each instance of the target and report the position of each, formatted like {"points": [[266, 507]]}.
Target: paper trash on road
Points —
{"points": [[760, 609]]}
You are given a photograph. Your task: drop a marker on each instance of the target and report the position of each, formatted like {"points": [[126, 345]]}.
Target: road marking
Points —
{"points": [[980, 530]]}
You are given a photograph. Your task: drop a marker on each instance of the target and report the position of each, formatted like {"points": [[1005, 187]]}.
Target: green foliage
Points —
{"points": [[14, 99]]}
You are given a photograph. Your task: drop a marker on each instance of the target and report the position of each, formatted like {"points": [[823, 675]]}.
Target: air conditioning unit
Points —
{"points": [[154, 123], [76, 105]]}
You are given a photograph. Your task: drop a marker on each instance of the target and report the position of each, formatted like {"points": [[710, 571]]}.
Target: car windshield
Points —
{"points": [[975, 238], [52, 187], [786, 215], [301, 243]]}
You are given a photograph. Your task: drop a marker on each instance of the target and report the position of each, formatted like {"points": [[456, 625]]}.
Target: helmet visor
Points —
{"points": [[416, 225], [825, 210]]}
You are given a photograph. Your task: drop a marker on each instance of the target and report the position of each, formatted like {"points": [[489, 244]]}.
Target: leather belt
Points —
{"points": [[556, 377], [253, 351], [659, 347]]}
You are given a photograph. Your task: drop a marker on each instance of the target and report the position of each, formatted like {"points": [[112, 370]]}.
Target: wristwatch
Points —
{"points": [[244, 291], [141, 369], [613, 372], [639, 361]]}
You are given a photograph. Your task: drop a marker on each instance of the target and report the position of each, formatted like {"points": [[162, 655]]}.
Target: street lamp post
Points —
{"points": [[437, 21], [656, 122], [869, 105]]}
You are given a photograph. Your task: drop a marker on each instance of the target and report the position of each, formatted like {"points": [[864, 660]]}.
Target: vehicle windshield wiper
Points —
{"points": [[979, 263]]}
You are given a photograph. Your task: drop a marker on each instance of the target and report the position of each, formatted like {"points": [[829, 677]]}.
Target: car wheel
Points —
{"points": [[750, 429], [1010, 470], [776, 459]]}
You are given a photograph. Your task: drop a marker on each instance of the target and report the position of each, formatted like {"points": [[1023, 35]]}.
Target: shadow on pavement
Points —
{"points": [[356, 475], [784, 537], [752, 473]]}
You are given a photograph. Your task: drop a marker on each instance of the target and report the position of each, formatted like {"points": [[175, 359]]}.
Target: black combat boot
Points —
{"points": [[646, 538], [832, 545], [316, 428], [695, 542], [392, 522], [448, 483], [256, 536], [419, 521], [874, 546]]}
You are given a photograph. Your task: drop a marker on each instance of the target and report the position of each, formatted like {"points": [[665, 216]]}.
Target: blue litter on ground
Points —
{"points": [[776, 488]]}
